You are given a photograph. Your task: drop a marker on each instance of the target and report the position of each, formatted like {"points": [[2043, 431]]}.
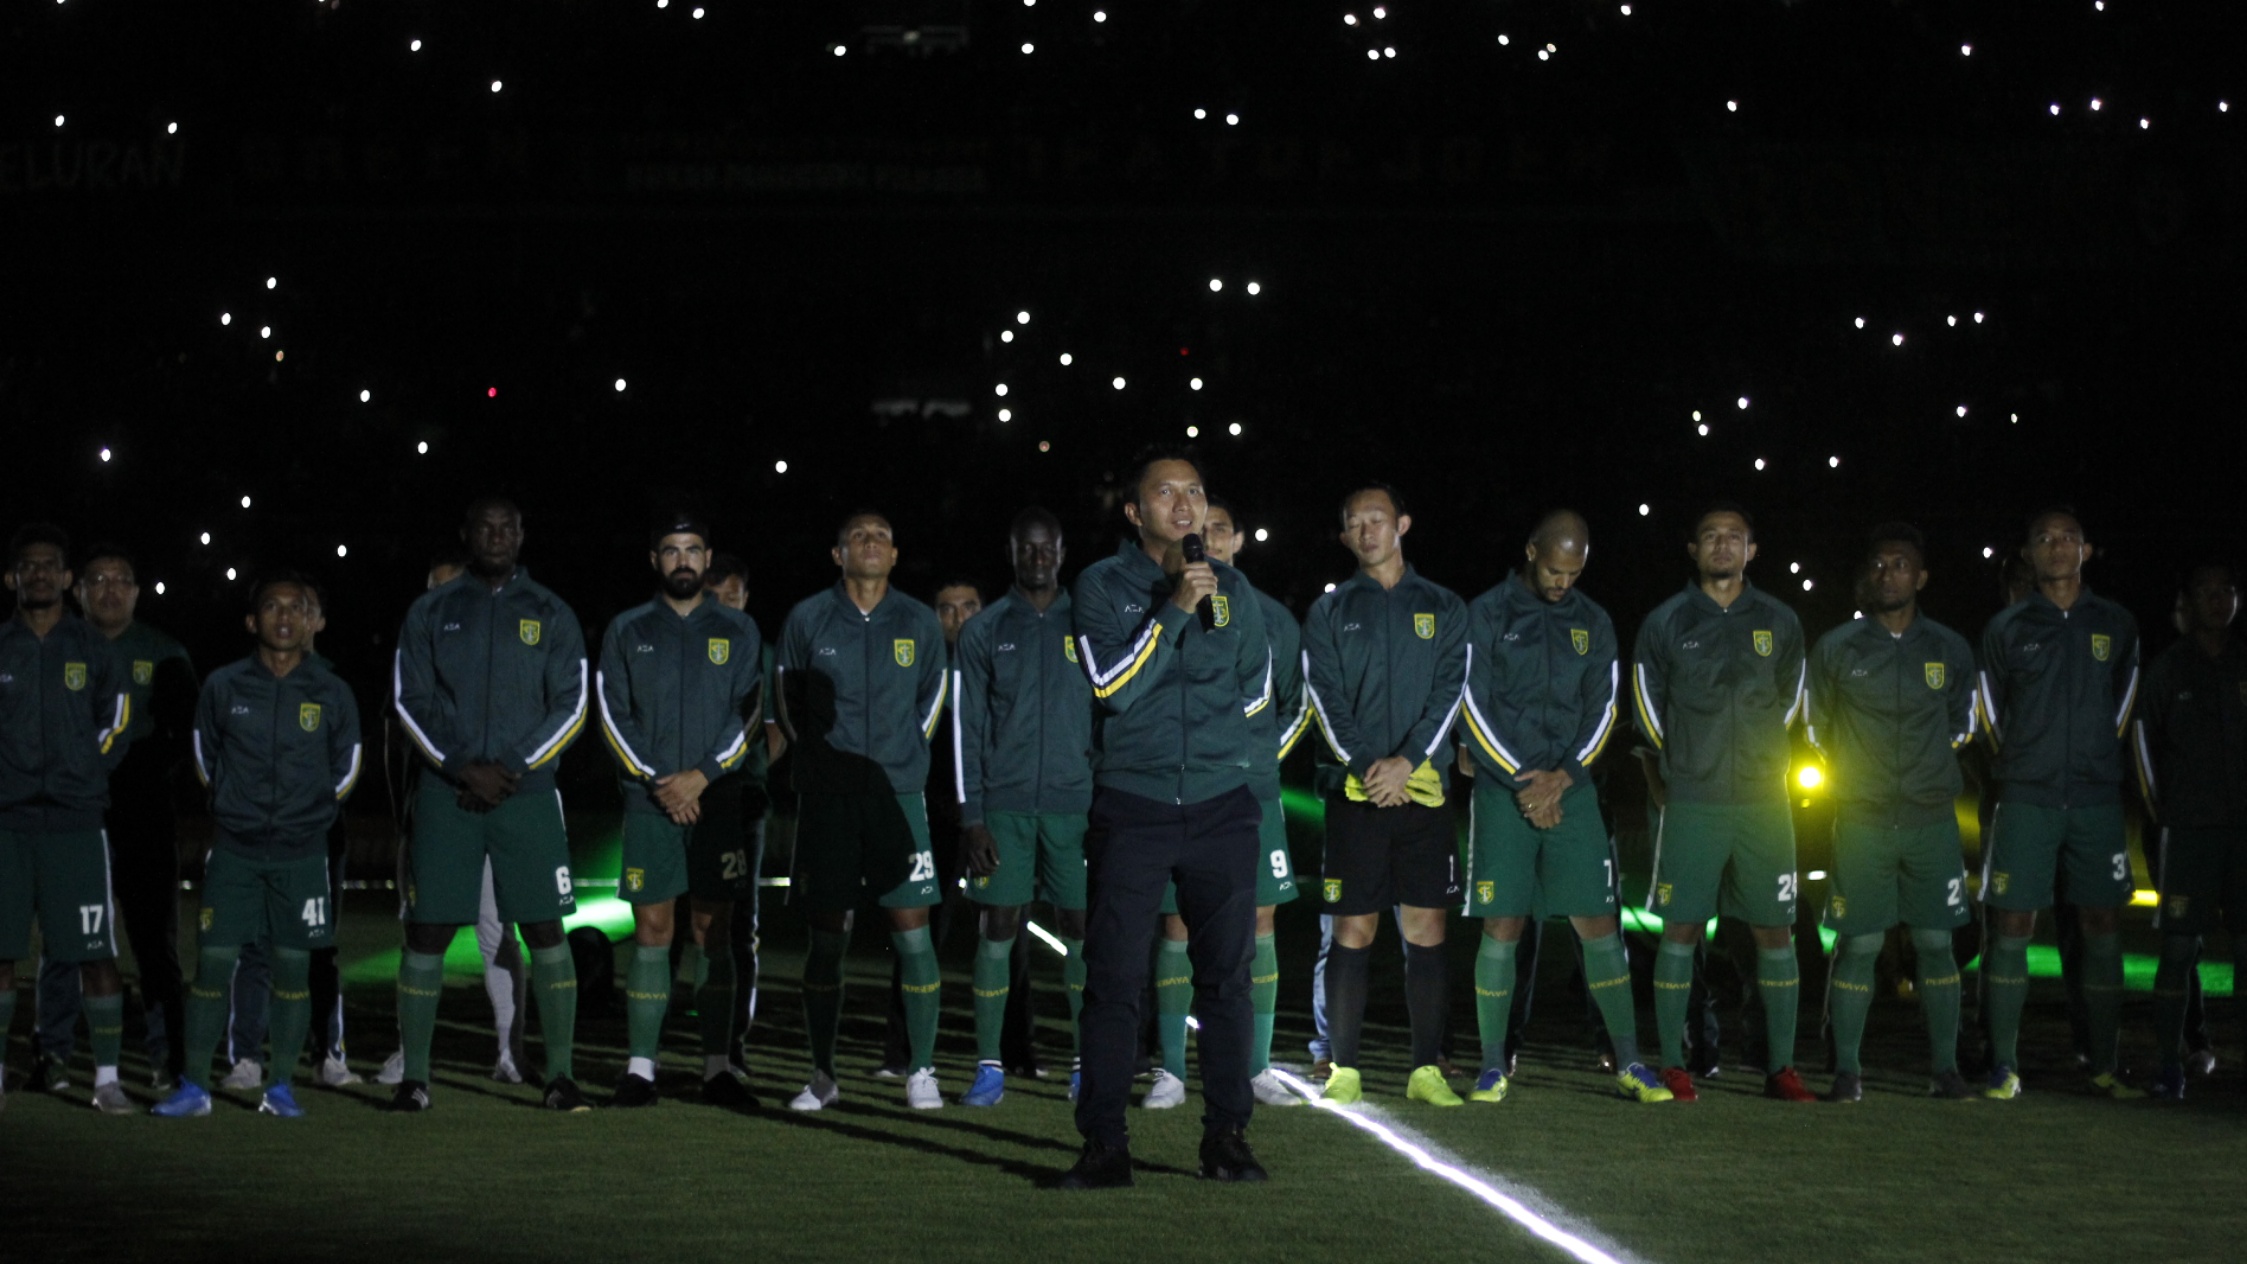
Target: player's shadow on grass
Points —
{"points": [[1037, 1174]]}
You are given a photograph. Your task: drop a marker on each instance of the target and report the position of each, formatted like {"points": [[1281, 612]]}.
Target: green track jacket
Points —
{"points": [[2192, 737], [1717, 690], [1291, 704], [1021, 711], [1889, 714], [2057, 687], [161, 679], [280, 755], [861, 694], [491, 675], [1386, 670], [64, 712], [1175, 705], [1542, 681], [678, 693]]}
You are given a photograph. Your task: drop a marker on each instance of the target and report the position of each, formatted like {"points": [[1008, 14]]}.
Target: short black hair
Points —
{"points": [[118, 551], [1152, 455], [1897, 533], [1396, 498], [477, 508], [1716, 507], [276, 578], [35, 533], [1220, 504], [1034, 516], [842, 529], [2028, 529], [956, 582], [724, 566], [2202, 567]]}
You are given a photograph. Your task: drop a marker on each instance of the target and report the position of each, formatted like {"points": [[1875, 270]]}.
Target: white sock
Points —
{"points": [[642, 1067], [104, 1075], [715, 1066]]}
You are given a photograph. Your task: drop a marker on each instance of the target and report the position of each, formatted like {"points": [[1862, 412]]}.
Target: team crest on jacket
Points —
{"points": [[1581, 638], [308, 716], [902, 651], [1069, 648], [1221, 608], [143, 671], [2101, 646], [1333, 891], [1934, 675], [1763, 642], [528, 630], [721, 649], [74, 676], [1424, 626]]}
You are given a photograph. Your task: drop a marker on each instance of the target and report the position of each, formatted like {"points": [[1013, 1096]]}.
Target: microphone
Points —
{"points": [[1192, 550]]}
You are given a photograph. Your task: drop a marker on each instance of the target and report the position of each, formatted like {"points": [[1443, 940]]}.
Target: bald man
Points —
{"points": [[1542, 680]]}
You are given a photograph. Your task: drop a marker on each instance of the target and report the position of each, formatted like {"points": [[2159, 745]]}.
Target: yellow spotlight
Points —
{"points": [[1808, 777]]}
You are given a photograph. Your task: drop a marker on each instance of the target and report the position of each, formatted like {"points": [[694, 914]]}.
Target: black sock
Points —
{"points": [[1345, 1001], [1427, 997]]}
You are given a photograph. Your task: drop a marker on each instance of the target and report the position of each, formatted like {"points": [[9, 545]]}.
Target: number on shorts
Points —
{"points": [[1609, 866], [316, 911], [1279, 863], [1786, 888], [924, 867], [90, 916], [1957, 892], [562, 880], [2122, 866], [733, 864]]}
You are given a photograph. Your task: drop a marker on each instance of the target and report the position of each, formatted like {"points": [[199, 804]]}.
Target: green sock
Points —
{"points": [[554, 979], [1072, 979], [823, 996], [1779, 977], [992, 981], [1939, 992], [2005, 971], [694, 966], [647, 998], [1263, 1002], [1855, 959], [105, 1027], [1174, 996], [2171, 988], [921, 981], [713, 1002], [1494, 998], [421, 981], [292, 1010], [206, 1013], [1607, 973], [1673, 996], [2102, 998]]}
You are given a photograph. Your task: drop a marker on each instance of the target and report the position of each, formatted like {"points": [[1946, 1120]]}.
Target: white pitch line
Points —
{"points": [[1426, 1157]]}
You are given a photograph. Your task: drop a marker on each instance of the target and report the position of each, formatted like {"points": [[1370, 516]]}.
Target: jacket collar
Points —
{"points": [[1749, 595]]}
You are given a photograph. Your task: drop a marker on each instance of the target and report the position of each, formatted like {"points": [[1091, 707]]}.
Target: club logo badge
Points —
{"points": [[2101, 646], [1662, 894], [1763, 642], [1333, 890], [74, 676], [635, 879], [1486, 891], [528, 630], [1221, 608], [1069, 648], [1424, 626], [143, 671], [902, 651], [721, 649], [1935, 675], [1581, 638], [308, 717]]}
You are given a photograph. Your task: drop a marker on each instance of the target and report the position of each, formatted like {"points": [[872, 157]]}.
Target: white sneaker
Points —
{"points": [[1270, 1092], [247, 1074], [920, 1090], [504, 1071], [110, 1099], [335, 1074], [1168, 1091], [817, 1095]]}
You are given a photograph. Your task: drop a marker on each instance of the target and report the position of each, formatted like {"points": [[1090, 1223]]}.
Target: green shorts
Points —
{"points": [[1732, 858], [1275, 870], [848, 844], [1884, 874], [1041, 856], [1515, 869], [246, 900], [2203, 881], [523, 838], [2028, 843], [63, 877], [708, 861]]}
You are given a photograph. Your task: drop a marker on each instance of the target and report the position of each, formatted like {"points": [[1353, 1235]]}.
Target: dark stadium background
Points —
{"points": [[1501, 283]]}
